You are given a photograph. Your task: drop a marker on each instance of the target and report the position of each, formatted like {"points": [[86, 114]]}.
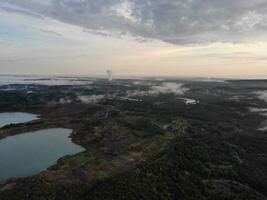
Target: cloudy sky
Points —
{"points": [[134, 37]]}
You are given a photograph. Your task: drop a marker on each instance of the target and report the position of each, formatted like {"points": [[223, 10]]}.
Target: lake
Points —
{"points": [[15, 118], [30, 153]]}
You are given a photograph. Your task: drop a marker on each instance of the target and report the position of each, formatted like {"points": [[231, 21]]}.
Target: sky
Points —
{"points": [[211, 38]]}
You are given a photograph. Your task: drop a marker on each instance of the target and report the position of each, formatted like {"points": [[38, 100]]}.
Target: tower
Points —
{"points": [[109, 73]]}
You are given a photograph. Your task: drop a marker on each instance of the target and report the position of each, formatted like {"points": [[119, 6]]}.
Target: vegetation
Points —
{"points": [[76, 160], [157, 148], [145, 126]]}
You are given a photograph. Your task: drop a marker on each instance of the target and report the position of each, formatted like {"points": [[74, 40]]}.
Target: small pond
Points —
{"points": [[30, 153], [15, 118]]}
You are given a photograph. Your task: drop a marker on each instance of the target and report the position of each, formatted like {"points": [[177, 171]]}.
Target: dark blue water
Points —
{"points": [[30, 153]]}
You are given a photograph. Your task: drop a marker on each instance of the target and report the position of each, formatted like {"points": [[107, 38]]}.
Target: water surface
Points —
{"points": [[30, 153], [15, 118]]}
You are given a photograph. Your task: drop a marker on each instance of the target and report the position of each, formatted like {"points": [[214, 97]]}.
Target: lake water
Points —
{"points": [[30, 153], [15, 118]]}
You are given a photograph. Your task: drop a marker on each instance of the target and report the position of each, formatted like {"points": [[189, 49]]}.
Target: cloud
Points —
{"points": [[190, 101], [173, 21], [173, 88], [42, 80], [263, 128], [262, 95], [51, 32], [256, 110], [164, 88], [91, 98]]}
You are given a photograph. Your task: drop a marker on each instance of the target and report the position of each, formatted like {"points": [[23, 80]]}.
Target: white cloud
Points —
{"points": [[251, 21], [256, 110], [91, 98], [190, 101], [125, 9], [262, 95], [164, 88], [263, 128], [174, 88]]}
